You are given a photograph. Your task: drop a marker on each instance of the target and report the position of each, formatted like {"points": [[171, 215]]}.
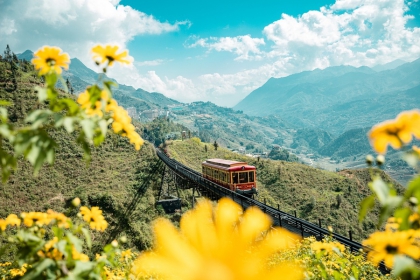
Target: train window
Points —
{"points": [[251, 176], [243, 177], [203, 170], [235, 177], [216, 175]]}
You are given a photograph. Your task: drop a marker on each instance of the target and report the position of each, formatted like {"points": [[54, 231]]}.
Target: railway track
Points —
{"points": [[280, 218]]}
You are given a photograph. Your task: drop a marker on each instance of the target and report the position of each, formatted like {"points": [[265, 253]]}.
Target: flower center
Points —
{"points": [[110, 58], [391, 249], [50, 61]]}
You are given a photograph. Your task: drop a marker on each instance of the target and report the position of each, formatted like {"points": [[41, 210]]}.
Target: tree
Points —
{"points": [[215, 145], [7, 54], [205, 148], [69, 86]]}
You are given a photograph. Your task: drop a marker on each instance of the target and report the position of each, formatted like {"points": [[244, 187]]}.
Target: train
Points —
{"points": [[235, 175]]}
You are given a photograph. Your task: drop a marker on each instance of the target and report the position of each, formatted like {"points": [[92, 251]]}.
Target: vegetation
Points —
{"points": [[116, 179], [314, 194]]}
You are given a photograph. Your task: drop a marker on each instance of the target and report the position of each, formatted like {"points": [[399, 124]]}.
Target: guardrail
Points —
{"points": [[283, 219]]}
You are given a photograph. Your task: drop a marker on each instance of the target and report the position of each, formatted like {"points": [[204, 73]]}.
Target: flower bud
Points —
{"points": [[369, 160], [76, 202], [413, 201], [123, 239], [380, 160], [114, 243]]}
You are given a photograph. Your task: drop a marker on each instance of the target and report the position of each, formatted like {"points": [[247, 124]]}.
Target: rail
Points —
{"points": [[283, 219]]}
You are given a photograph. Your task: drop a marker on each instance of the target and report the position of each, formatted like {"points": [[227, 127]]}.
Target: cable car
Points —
{"points": [[234, 175]]}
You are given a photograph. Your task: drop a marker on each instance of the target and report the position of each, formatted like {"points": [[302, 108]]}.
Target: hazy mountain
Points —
{"points": [[390, 65], [26, 55], [311, 138], [351, 143], [81, 76], [338, 98]]}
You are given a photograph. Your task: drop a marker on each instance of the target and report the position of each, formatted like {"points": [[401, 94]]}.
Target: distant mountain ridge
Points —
{"points": [[337, 98], [81, 76]]}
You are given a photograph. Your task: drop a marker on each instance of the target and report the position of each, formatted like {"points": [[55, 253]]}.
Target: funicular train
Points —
{"points": [[234, 175]]}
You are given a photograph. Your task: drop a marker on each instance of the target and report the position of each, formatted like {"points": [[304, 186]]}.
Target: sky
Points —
{"points": [[218, 51]]}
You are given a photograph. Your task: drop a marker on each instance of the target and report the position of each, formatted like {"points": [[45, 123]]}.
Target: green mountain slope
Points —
{"points": [[337, 99], [120, 180], [314, 194], [81, 76]]}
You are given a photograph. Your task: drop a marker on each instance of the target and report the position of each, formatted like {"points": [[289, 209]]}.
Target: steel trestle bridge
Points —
{"points": [[188, 178]]}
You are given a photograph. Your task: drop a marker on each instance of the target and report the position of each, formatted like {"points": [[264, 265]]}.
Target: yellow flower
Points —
{"points": [[60, 218], [392, 224], [385, 245], [94, 218], [395, 132], [327, 247], [86, 104], [79, 256], [109, 53], [11, 220], [217, 243], [50, 59], [39, 218]]}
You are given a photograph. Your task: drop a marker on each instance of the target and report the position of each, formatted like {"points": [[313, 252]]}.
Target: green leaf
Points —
{"points": [[405, 266], [355, 271], [69, 124], [413, 188], [77, 243], [3, 115], [42, 93], [365, 206], [38, 268], [87, 236], [88, 127], [380, 188], [38, 118], [411, 159], [103, 125], [5, 103], [388, 207], [403, 214], [51, 79], [82, 270], [5, 131]]}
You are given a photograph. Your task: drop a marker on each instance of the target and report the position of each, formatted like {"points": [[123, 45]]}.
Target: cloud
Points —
{"points": [[155, 62], [242, 46], [355, 32], [74, 25]]}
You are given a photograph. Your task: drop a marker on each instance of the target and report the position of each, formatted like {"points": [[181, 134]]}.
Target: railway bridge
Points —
{"points": [[187, 178]]}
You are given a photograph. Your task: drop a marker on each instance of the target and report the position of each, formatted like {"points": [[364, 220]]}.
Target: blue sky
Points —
{"points": [[216, 50]]}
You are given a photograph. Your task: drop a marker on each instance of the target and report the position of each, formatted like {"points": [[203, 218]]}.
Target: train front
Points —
{"points": [[244, 179]]}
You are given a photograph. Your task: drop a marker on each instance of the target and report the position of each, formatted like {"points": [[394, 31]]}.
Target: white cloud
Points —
{"points": [[74, 25], [355, 32], [242, 46]]}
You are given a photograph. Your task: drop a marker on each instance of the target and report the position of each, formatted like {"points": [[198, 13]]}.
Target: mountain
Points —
{"points": [[81, 76], [26, 55], [389, 65], [351, 143], [338, 98], [311, 138]]}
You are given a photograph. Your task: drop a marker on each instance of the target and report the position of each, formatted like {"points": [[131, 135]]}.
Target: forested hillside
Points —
{"points": [[121, 181]]}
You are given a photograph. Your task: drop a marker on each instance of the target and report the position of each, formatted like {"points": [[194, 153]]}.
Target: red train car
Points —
{"points": [[234, 175]]}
